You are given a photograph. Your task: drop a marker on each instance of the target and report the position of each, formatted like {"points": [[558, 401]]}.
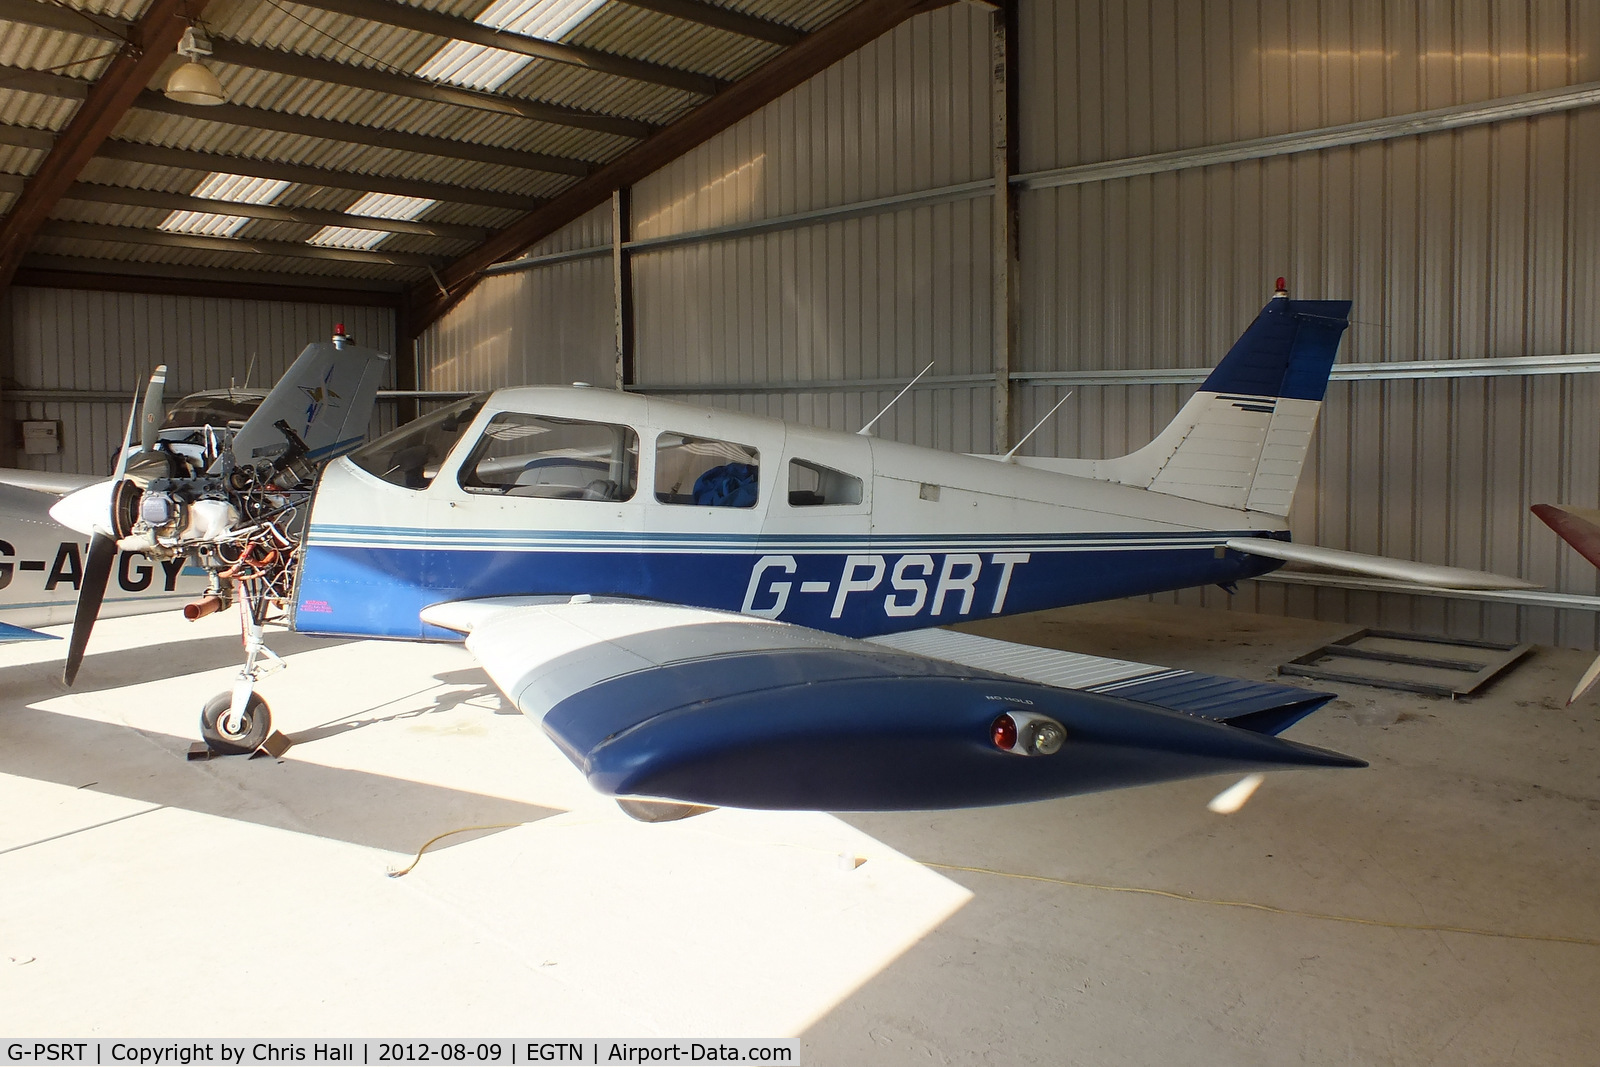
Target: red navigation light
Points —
{"points": [[1004, 733]]}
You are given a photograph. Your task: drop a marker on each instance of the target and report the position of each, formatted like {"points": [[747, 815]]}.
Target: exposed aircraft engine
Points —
{"points": [[230, 498]]}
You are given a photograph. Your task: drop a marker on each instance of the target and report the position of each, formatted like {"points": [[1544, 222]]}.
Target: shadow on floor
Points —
{"points": [[360, 807]]}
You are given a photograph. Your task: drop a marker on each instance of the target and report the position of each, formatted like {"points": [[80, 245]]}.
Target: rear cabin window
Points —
{"points": [[706, 472], [558, 459], [813, 485], [410, 456]]}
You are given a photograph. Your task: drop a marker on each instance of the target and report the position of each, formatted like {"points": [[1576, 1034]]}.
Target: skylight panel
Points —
{"points": [[346, 237], [234, 188], [372, 205], [390, 206], [477, 66], [240, 189], [205, 223]]}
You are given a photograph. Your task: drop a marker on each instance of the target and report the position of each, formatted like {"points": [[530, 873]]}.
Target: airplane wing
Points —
{"points": [[1404, 570], [708, 707], [45, 481]]}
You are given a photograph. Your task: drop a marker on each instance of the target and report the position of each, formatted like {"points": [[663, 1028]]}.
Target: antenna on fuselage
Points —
{"points": [[247, 372], [1011, 456], [895, 401]]}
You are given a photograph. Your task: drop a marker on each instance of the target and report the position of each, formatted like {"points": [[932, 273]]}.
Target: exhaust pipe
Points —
{"points": [[203, 607]]}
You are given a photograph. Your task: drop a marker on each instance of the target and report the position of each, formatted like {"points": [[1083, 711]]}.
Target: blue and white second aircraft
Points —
{"points": [[713, 608]]}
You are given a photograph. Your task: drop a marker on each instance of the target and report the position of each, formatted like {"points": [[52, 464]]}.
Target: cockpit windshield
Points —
{"points": [[210, 409], [410, 456]]}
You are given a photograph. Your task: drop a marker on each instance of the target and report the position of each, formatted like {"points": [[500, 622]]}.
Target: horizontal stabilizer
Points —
{"points": [[708, 707], [1403, 570], [22, 633]]}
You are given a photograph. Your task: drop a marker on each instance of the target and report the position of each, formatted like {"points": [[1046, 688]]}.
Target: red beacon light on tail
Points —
{"points": [[1282, 290], [340, 338]]}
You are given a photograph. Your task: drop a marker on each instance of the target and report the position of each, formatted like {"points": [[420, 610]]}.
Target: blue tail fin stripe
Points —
{"points": [[1287, 351]]}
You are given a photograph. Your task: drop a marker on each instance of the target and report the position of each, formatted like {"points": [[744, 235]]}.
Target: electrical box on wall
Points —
{"points": [[41, 437]]}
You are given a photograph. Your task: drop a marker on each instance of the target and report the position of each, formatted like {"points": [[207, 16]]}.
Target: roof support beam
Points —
{"points": [[64, 273], [27, 137], [85, 192], [459, 29], [134, 235], [817, 52], [723, 19], [59, 86], [283, 122], [158, 156], [153, 39], [326, 70], [65, 88]]}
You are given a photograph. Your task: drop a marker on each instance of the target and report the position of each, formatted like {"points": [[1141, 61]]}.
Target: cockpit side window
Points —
{"points": [[813, 485], [706, 472], [410, 455], [558, 459]]}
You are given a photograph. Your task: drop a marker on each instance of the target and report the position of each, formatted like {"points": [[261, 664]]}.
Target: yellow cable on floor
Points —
{"points": [[408, 868], [1429, 927]]}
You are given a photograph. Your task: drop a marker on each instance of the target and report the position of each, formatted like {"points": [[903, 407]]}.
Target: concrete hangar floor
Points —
{"points": [[142, 895]]}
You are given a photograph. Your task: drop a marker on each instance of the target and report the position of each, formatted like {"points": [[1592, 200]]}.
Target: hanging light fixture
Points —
{"points": [[192, 83]]}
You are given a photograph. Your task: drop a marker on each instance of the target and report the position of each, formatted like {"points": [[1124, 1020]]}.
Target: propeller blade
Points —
{"points": [[1584, 683], [127, 440], [96, 572], [152, 414]]}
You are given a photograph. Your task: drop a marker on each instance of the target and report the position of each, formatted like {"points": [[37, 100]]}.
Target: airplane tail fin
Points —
{"points": [[326, 397], [1241, 441]]}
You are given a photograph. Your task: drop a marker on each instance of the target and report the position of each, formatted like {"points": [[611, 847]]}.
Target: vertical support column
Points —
{"points": [[622, 281], [9, 428], [1006, 266], [405, 364]]}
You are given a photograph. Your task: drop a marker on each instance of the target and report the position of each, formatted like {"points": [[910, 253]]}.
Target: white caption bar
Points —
{"points": [[237, 1053]]}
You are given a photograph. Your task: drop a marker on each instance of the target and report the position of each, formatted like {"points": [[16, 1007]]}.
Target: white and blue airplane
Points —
{"points": [[713, 608]]}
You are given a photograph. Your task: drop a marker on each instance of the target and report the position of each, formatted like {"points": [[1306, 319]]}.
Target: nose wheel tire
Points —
{"points": [[254, 725]]}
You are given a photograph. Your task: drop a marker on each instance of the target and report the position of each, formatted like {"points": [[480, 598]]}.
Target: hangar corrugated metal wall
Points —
{"points": [[107, 343], [1482, 242]]}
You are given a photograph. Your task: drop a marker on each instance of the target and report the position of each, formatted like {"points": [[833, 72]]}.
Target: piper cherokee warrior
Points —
{"points": [[706, 607]]}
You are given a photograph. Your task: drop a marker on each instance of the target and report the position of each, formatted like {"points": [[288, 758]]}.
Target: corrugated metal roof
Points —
{"points": [[343, 41], [19, 108], [641, 34], [33, 48]]}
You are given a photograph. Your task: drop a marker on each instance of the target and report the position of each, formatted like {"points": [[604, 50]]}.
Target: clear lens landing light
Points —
{"points": [[1047, 738]]}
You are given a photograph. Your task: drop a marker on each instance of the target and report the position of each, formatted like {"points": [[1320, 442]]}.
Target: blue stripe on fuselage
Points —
{"points": [[379, 589]]}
